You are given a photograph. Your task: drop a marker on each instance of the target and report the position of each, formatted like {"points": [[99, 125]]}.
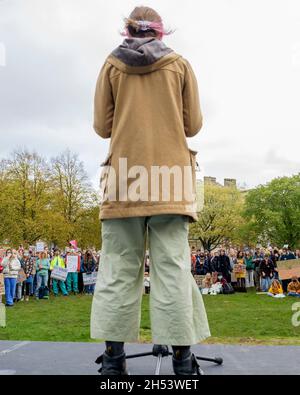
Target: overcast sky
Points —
{"points": [[246, 55]]}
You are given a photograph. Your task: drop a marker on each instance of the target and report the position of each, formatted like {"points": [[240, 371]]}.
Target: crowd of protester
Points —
{"points": [[258, 268], [36, 271], [219, 271]]}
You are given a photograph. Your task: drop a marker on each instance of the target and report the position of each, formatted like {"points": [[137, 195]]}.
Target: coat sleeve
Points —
{"points": [[192, 115], [103, 104]]}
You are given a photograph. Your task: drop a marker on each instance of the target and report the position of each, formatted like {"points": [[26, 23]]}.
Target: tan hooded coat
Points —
{"points": [[147, 103]]}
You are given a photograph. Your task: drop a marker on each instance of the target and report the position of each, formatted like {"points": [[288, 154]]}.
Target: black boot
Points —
{"points": [[113, 360], [185, 363]]}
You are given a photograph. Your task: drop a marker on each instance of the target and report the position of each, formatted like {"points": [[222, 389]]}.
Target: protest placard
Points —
{"points": [[239, 269], [21, 276], [289, 268], [89, 278], [2, 288], [72, 263], [59, 273], [39, 247]]}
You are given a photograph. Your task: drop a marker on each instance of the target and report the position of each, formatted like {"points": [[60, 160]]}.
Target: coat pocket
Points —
{"points": [[106, 164]]}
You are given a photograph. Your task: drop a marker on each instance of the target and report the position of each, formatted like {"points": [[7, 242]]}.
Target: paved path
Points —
{"points": [[78, 358]]}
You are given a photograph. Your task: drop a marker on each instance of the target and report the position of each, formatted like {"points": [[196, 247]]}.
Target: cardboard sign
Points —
{"points": [[2, 287], [59, 273], [21, 276], [199, 280], [39, 247], [239, 269], [288, 269], [72, 263], [89, 279]]}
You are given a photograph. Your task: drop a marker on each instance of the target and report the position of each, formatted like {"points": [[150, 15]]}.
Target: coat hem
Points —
{"points": [[126, 212]]}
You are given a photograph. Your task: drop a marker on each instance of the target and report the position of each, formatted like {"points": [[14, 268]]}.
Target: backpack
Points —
{"points": [[228, 289]]}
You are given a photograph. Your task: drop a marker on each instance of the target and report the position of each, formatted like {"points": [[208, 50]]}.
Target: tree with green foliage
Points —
{"points": [[24, 195], [274, 211], [49, 201], [220, 216]]}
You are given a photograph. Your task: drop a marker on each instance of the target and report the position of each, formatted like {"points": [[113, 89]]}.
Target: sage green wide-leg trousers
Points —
{"points": [[177, 312]]}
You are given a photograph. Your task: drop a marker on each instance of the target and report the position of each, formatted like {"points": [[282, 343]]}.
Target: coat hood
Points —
{"points": [[141, 55]]}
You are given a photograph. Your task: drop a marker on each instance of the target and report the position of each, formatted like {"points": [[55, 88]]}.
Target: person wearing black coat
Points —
{"points": [[223, 265], [267, 273]]}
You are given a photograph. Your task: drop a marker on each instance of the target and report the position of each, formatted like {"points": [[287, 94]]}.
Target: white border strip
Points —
{"points": [[13, 348]]}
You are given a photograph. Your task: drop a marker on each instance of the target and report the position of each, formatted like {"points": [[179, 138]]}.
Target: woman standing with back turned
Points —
{"points": [[147, 103]]}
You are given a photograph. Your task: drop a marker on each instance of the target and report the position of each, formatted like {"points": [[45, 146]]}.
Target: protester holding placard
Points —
{"points": [[89, 266], [42, 268], [11, 265], [73, 266], [58, 261], [240, 272]]}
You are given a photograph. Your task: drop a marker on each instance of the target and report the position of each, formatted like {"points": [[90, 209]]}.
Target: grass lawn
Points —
{"points": [[240, 318]]}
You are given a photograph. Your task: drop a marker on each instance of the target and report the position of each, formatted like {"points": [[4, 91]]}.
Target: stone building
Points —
{"points": [[228, 182]]}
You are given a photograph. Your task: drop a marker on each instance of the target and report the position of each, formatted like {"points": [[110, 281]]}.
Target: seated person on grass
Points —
{"points": [[294, 287], [206, 284], [276, 290]]}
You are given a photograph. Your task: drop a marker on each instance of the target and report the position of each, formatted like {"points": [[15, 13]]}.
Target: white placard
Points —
{"points": [[72, 263], [39, 247], [59, 273], [89, 279]]}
